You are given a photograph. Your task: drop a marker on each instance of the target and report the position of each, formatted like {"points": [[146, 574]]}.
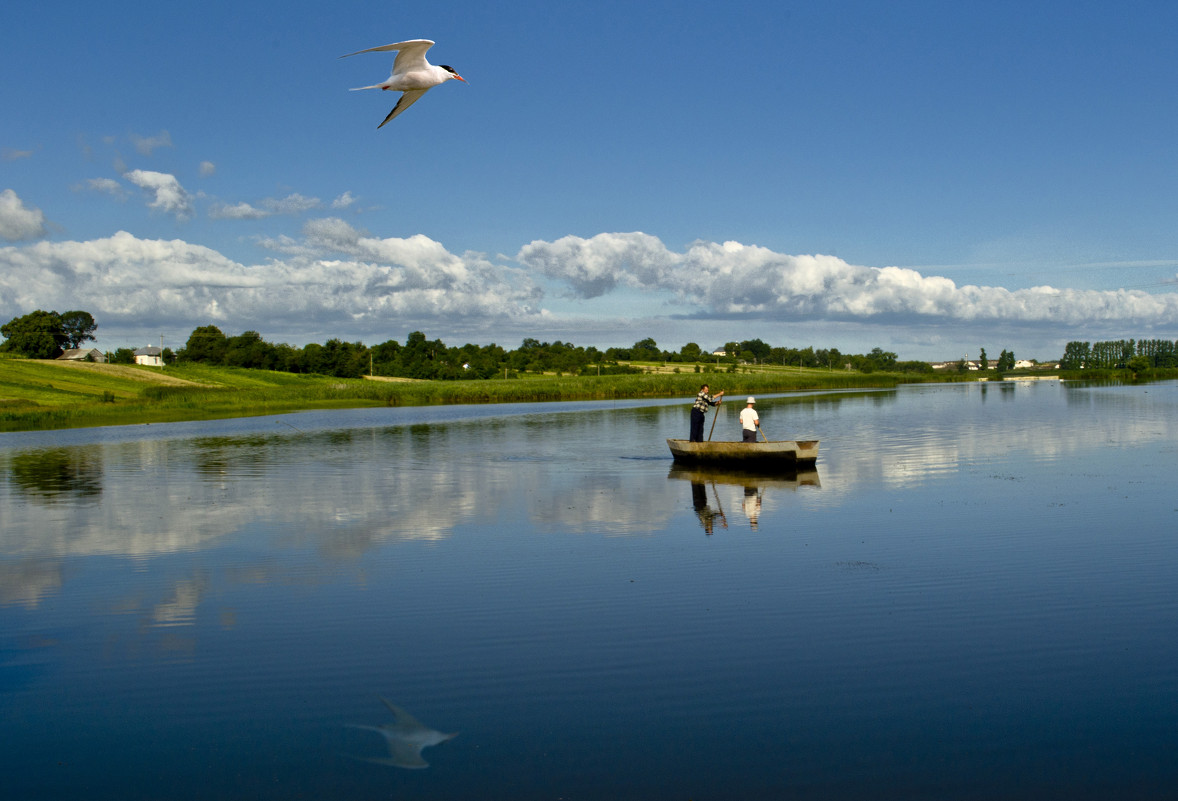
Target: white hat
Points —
{"points": [[751, 399]]}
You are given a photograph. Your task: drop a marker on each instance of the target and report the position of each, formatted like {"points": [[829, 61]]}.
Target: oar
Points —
{"points": [[762, 432], [714, 416]]}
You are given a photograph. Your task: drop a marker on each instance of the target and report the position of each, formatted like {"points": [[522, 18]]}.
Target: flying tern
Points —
{"points": [[412, 75]]}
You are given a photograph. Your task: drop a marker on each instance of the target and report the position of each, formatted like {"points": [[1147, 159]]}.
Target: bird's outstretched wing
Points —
{"points": [[410, 53], [408, 98]]}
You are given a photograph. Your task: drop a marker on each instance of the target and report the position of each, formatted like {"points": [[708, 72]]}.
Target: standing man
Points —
{"points": [[702, 401], [749, 422]]}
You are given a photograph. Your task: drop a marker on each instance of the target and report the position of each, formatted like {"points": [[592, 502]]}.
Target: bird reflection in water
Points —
{"points": [[405, 737], [705, 497]]}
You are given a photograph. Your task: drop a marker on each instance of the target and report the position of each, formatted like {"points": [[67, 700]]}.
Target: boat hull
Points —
{"points": [[787, 453]]}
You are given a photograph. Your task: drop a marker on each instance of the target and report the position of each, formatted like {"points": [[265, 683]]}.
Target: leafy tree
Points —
{"points": [[984, 362], [836, 358], [38, 335], [206, 344], [78, 327], [759, 350], [646, 350], [121, 356], [1139, 364], [882, 359], [690, 352], [1075, 356], [828, 358], [249, 350]]}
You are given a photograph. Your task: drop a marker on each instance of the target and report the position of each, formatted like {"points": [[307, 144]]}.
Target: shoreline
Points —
{"points": [[40, 395]]}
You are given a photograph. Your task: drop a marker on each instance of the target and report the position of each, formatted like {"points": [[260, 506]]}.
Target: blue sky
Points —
{"points": [[928, 177]]}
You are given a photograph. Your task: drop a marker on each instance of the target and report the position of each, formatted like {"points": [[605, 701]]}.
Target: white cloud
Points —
{"points": [[146, 145], [731, 279], [596, 266], [333, 276], [238, 211], [207, 168], [293, 204], [108, 186], [167, 193], [17, 221], [12, 154], [335, 280], [343, 201]]}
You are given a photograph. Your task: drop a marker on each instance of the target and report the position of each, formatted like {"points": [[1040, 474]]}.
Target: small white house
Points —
{"points": [[82, 355], [150, 356]]}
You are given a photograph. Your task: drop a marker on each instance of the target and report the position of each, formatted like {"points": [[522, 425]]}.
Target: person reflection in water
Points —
{"points": [[707, 515], [752, 505], [700, 410]]}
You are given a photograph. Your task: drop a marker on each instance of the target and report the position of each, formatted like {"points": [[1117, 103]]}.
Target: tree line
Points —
{"points": [[1132, 354], [44, 335], [420, 357]]}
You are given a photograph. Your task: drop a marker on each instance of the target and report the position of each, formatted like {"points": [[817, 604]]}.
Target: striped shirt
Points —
{"points": [[703, 400]]}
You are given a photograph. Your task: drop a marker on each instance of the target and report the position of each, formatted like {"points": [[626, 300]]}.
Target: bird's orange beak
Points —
{"points": [[459, 77]]}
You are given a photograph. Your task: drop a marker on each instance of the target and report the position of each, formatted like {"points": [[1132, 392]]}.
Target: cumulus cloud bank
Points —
{"points": [[18, 222], [332, 274], [731, 279], [336, 278]]}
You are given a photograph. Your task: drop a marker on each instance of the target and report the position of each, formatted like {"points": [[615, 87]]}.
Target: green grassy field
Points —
{"points": [[41, 395]]}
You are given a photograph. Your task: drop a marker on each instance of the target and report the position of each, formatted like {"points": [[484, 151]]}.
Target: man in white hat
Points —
{"points": [[749, 422]]}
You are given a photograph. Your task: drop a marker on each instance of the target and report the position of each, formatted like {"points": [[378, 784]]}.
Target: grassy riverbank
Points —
{"points": [[42, 395]]}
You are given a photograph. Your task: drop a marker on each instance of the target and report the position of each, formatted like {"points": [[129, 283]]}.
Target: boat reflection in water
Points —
{"points": [[754, 484]]}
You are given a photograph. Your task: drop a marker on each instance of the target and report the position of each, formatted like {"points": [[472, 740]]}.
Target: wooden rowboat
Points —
{"points": [[786, 453]]}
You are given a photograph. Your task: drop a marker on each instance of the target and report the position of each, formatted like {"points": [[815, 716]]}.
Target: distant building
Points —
{"points": [[82, 355], [150, 356]]}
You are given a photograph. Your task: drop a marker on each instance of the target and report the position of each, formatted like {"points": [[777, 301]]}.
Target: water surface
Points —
{"points": [[971, 597]]}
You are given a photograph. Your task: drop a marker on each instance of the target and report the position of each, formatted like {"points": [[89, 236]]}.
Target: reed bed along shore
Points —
{"points": [[40, 395]]}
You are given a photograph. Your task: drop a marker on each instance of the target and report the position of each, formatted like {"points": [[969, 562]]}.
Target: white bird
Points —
{"points": [[405, 737], [412, 75]]}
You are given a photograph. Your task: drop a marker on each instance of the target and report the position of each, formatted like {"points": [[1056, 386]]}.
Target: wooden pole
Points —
{"points": [[714, 416]]}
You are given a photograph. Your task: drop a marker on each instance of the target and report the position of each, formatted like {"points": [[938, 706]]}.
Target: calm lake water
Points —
{"points": [[972, 597]]}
